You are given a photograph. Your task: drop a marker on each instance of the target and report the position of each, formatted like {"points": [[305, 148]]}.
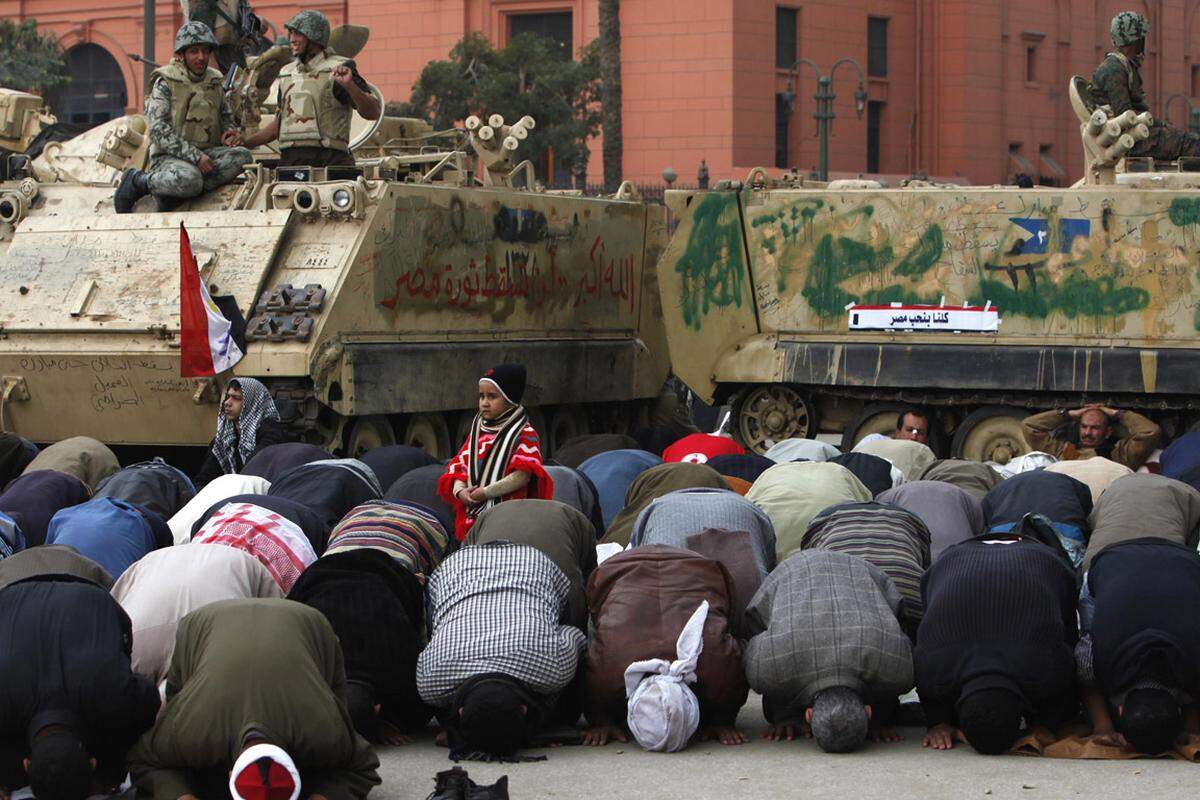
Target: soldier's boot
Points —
{"points": [[133, 187], [164, 204]]}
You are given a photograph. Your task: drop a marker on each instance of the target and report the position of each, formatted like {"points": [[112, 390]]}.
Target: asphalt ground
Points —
{"points": [[763, 769]]}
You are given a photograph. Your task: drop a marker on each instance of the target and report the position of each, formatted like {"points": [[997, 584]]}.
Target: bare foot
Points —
{"points": [[598, 735]]}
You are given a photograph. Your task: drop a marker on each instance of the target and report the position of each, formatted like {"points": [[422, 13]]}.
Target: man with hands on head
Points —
{"points": [[1088, 431]]}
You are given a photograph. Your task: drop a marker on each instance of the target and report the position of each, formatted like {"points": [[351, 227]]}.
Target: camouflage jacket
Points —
{"points": [[163, 135], [1118, 84]]}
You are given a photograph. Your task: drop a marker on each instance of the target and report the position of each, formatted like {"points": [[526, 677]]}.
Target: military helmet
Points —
{"points": [[1128, 27], [193, 33], [312, 25]]}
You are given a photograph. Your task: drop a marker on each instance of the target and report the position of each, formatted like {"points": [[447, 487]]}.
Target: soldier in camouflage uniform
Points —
{"points": [[1117, 83], [194, 142], [316, 94]]}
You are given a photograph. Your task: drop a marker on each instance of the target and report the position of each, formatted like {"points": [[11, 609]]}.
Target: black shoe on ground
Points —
{"points": [[452, 784], [131, 189]]}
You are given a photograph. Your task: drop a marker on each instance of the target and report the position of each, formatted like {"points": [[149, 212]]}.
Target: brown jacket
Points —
{"points": [[640, 600], [1141, 438]]}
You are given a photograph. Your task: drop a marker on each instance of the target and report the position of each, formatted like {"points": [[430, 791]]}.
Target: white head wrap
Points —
{"points": [[809, 449], [252, 754], [1026, 463], [663, 712]]}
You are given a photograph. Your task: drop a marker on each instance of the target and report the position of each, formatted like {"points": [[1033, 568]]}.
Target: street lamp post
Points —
{"points": [[824, 113]]}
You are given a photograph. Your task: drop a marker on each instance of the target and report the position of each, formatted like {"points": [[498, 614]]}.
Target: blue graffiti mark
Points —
{"points": [[1036, 244]]}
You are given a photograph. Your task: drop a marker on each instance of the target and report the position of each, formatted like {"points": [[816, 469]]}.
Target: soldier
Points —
{"points": [[1117, 83], [316, 94], [194, 144]]}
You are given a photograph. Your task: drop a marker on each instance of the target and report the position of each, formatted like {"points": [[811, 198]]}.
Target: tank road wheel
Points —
{"points": [[991, 433], [566, 422], [875, 418], [765, 415], [429, 432], [368, 433]]}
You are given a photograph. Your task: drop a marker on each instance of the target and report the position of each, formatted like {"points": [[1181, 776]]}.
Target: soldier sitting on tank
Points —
{"points": [[1117, 83], [316, 94], [1086, 432], [194, 144]]}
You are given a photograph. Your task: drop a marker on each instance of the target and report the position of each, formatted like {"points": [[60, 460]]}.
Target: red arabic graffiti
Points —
{"points": [[520, 276]]}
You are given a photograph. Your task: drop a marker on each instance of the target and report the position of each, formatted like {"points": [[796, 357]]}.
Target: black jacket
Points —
{"points": [[64, 659], [997, 614], [269, 433]]}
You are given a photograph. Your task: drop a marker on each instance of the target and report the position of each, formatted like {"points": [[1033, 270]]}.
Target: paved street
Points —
{"points": [[790, 770]]}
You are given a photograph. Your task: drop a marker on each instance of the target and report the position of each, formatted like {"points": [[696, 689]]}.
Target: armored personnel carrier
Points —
{"points": [[373, 296], [829, 308]]}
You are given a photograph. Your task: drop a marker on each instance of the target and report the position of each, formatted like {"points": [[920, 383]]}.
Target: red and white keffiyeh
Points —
{"points": [[274, 540]]}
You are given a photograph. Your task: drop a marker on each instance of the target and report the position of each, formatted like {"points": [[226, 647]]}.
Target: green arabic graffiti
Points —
{"points": [[1077, 295], [836, 260], [713, 265]]}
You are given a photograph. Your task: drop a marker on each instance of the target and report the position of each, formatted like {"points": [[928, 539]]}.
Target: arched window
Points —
{"points": [[96, 92]]}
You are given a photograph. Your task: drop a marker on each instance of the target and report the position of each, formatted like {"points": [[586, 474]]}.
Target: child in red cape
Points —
{"points": [[501, 459]]}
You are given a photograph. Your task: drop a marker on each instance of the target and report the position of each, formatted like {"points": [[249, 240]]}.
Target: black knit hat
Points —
{"points": [[509, 379]]}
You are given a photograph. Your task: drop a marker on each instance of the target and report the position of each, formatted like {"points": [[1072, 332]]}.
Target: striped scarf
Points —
{"points": [[490, 448]]}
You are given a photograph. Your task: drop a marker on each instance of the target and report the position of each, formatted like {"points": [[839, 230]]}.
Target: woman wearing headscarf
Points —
{"points": [[420, 486], [154, 485], [222, 488], [792, 494], [246, 423], [34, 498], [576, 490], [408, 533], [974, 478], [951, 514], [893, 539], [911, 458], [300, 515], [579, 449], [1061, 499], [275, 460], [15, 455], [330, 488], [612, 473], [391, 463], [111, 532], [82, 456], [501, 459], [677, 516], [653, 484], [558, 531], [876, 473], [277, 542]]}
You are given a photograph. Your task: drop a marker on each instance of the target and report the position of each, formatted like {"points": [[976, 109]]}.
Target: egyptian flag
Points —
{"points": [[206, 343]]}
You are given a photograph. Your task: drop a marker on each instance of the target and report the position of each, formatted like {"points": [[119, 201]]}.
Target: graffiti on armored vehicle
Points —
{"points": [[1080, 262], [501, 261], [713, 266]]}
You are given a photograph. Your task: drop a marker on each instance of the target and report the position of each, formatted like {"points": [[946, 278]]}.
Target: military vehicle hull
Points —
{"points": [[1097, 290], [372, 304]]}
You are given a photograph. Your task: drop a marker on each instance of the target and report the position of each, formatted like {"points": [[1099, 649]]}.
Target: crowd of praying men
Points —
{"points": [[256, 636]]}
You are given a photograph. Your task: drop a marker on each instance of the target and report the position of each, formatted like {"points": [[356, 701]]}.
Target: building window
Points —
{"points": [[1052, 173], [556, 26], [96, 92], [786, 20], [783, 112], [874, 119], [1195, 80], [877, 47], [1030, 64]]}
